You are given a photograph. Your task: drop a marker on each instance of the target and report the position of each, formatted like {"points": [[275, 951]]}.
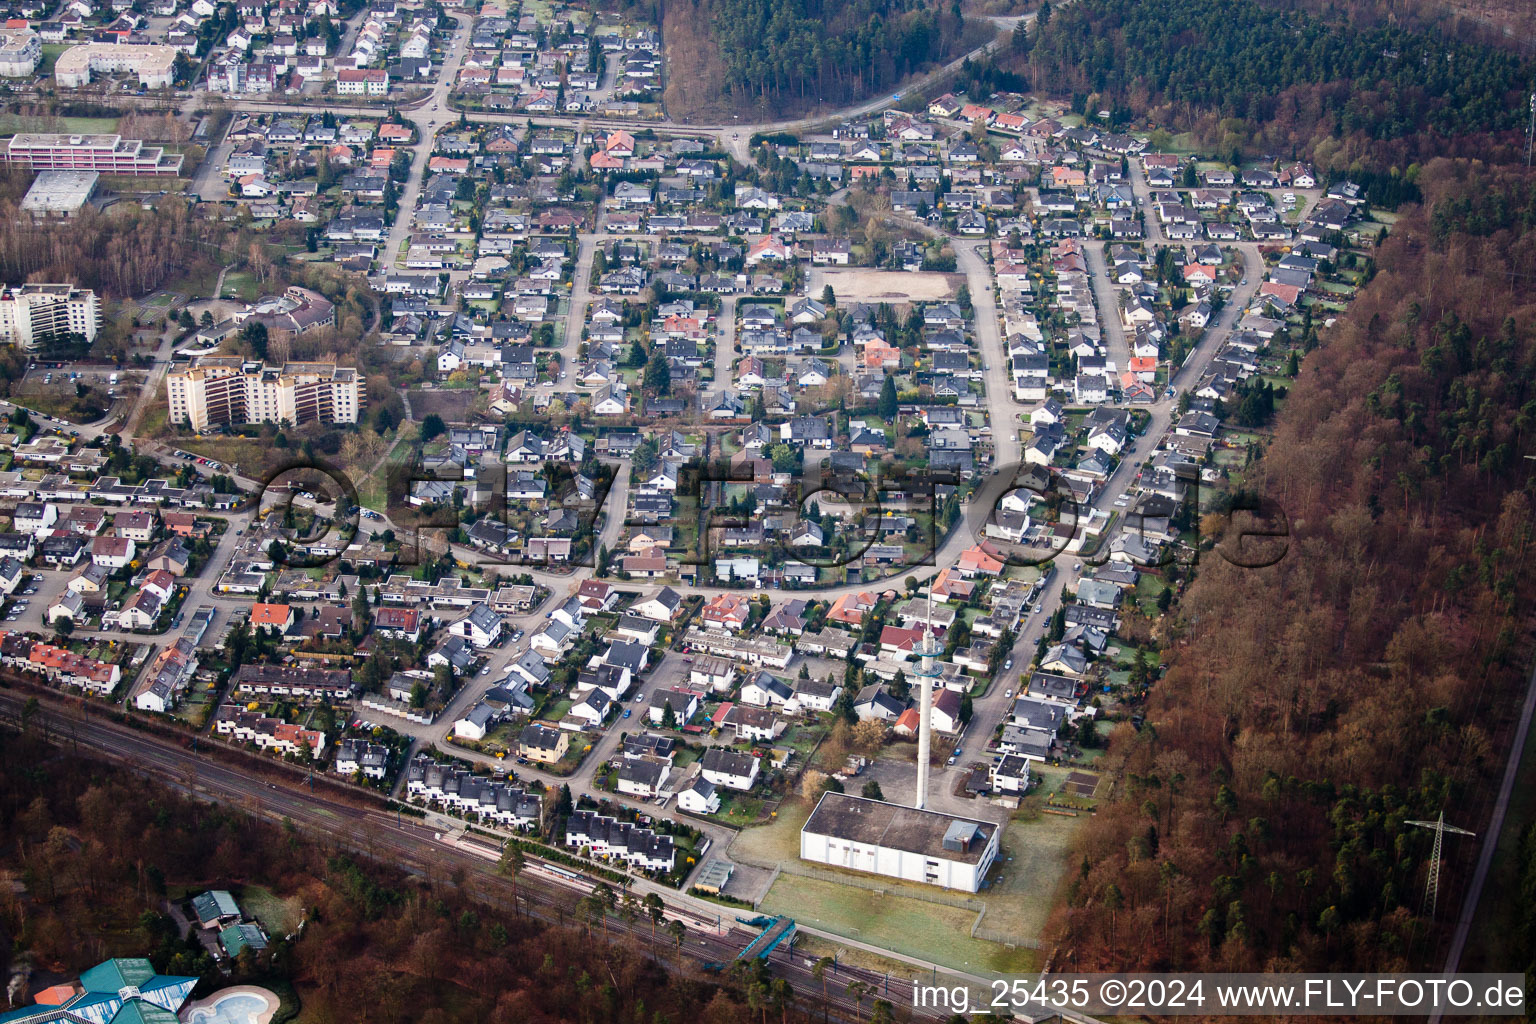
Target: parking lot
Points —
{"points": [[74, 393], [20, 603]]}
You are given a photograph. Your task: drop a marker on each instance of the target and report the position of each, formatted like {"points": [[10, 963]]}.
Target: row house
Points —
{"points": [[611, 839], [271, 734]]}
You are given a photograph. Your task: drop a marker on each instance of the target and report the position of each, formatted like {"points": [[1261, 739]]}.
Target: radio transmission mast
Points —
{"points": [[926, 674], [1432, 885]]}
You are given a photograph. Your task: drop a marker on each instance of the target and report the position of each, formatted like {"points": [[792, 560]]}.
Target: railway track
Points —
{"points": [[385, 836]]}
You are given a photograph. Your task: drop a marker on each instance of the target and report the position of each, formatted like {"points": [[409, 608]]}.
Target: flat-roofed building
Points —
{"points": [[109, 154], [223, 389], [32, 313], [59, 193], [20, 50], [154, 63], [899, 842]]}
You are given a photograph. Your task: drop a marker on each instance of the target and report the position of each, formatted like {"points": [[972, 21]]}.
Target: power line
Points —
{"points": [[1530, 130], [1432, 884]]}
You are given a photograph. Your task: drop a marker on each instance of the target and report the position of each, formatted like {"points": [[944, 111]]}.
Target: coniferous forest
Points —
{"points": [[1238, 73], [780, 56]]}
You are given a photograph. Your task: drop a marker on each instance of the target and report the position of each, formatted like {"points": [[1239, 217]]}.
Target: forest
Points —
{"points": [[777, 56], [1495, 22], [125, 251], [1371, 675], [1244, 76], [94, 853]]}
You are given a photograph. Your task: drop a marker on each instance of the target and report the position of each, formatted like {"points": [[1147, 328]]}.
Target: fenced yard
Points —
{"points": [[1018, 898]]}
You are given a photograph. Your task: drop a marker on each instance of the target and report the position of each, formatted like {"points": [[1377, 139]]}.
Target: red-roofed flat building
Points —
{"points": [[597, 595], [948, 584], [1010, 122], [271, 733], [770, 247], [112, 552], [896, 640], [1287, 293]]}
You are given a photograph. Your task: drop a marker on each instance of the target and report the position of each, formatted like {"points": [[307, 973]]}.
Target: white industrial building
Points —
{"points": [[59, 193], [899, 842]]}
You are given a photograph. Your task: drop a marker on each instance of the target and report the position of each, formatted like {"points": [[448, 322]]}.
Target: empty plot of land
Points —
{"points": [[454, 405], [777, 841], [857, 284]]}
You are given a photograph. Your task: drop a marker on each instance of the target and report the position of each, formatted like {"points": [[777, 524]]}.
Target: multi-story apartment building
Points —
{"points": [[109, 154], [154, 63], [223, 389], [33, 312], [20, 50], [365, 81]]}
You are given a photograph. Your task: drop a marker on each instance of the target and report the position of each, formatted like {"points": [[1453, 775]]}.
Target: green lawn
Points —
{"points": [[51, 53], [767, 845], [12, 123], [240, 284], [929, 931], [1019, 898], [279, 916], [738, 809]]}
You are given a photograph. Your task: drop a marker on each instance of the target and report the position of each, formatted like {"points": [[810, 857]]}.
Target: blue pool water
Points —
{"points": [[235, 1009]]}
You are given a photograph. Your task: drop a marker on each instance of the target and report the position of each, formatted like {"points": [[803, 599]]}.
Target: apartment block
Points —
{"points": [[33, 312], [223, 389]]}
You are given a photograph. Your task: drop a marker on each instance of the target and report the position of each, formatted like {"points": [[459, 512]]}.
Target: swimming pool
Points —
{"points": [[239, 1008]]}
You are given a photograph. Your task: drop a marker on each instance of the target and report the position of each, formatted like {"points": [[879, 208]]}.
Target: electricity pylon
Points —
{"points": [[1432, 885]]}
